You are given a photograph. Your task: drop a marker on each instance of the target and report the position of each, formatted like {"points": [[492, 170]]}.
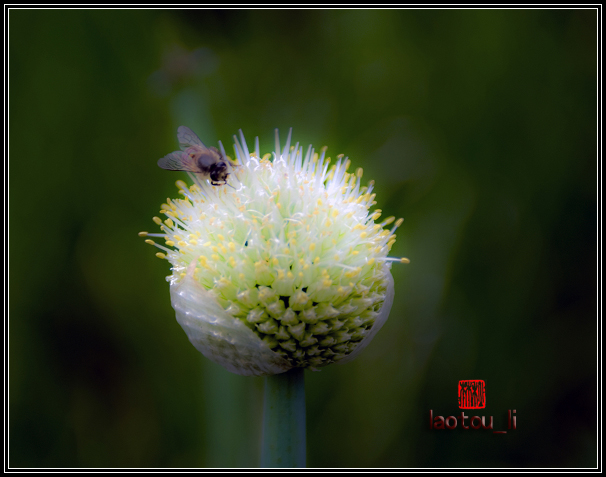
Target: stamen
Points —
{"points": [[395, 259]]}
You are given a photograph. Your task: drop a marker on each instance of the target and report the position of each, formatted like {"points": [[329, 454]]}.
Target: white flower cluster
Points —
{"points": [[284, 266]]}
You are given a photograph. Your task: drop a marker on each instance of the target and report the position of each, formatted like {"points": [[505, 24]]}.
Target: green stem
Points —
{"points": [[284, 420]]}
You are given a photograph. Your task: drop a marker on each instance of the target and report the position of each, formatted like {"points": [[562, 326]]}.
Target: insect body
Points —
{"points": [[196, 157]]}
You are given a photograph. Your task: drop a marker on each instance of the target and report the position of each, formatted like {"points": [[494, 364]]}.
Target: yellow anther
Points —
{"points": [[181, 243], [328, 223], [347, 164], [300, 274], [232, 261], [193, 242], [388, 220], [335, 213], [202, 260], [312, 247], [170, 243], [336, 256], [289, 275], [316, 260], [363, 235], [160, 255], [355, 252], [170, 223], [286, 250], [405, 260], [242, 276], [215, 257], [157, 220], [320, 202], [371, 261], [143, 234], [349, 215], [281, 274], [231, 246], [376, 227], [359, 172], [181, 184], [266, 157], [399, 222], [220, 237], [151, 242], [275, 261], [223, 249]]}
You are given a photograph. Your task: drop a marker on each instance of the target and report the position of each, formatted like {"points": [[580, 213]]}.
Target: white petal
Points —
{"points": [[379, 320], [219, 336]]}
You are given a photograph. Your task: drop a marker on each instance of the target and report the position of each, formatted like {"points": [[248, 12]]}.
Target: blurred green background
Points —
{"points": [[479, 128]]}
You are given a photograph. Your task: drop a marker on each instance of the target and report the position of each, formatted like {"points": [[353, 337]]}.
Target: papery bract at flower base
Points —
{"points": [[285, 268]]}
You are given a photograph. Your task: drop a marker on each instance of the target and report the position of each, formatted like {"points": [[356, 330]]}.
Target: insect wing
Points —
{"points": [[178, 161], [188, 138]]}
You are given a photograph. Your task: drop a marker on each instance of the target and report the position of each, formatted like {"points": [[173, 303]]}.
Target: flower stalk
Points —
{"points": [[283, 441]]}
